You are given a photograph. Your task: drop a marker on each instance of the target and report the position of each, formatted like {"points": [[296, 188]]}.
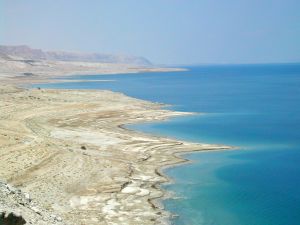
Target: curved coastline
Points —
{"points": [[178, 160], [153, 112]]}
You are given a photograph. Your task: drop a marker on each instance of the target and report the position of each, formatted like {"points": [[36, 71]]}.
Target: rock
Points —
{"points": [[56, 218], [36, 210], [18, 208], [27, 197]]}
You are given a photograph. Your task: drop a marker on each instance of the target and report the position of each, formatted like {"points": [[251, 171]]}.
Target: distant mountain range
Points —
{"points": [[27, 53]]}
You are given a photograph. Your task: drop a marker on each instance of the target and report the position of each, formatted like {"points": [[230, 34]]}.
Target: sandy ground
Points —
{"points": [[68, 149], [20, 71]]}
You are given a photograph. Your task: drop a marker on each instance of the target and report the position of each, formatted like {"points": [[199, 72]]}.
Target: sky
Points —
{"points": [[164, 31]]}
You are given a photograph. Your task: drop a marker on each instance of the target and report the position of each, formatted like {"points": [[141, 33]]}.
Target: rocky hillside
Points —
{"points": [[17, 208], [25, 52]]}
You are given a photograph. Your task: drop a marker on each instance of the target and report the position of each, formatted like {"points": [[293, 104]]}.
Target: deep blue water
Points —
{"points": [[254, 107]]}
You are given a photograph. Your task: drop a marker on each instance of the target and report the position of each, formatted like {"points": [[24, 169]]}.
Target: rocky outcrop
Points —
{"points": [[17, 208]]}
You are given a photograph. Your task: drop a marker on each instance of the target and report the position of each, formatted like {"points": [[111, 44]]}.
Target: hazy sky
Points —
{"points": [[164, 31]]}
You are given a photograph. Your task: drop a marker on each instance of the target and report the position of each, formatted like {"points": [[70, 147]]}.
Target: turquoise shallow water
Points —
{"points": [[255, 107]]}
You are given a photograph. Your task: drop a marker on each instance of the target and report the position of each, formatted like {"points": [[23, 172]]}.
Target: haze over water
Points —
{"points": [[253, 107]]}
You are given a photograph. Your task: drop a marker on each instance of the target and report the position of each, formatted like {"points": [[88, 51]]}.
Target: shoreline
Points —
{"points": [[151, 177], [157, 202], [18, 72]]}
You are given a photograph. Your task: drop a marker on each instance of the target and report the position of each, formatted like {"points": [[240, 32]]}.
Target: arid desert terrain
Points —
{"points": [[66, 157]]}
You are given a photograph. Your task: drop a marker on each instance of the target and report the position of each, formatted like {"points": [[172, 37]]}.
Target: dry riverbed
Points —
{"points": [[68, 150]]}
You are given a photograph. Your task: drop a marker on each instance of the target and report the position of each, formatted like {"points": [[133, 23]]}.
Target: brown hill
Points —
{"points": [[25, 52]]}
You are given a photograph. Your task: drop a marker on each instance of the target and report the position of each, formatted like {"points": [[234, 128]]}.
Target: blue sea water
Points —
{"points": [[253, 107]]}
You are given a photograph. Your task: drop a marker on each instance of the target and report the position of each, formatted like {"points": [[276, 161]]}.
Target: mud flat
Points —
{"points": [[68, 149]]}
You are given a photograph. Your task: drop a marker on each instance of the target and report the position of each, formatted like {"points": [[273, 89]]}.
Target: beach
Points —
{"points": [[149, 113], [69, 150]]}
